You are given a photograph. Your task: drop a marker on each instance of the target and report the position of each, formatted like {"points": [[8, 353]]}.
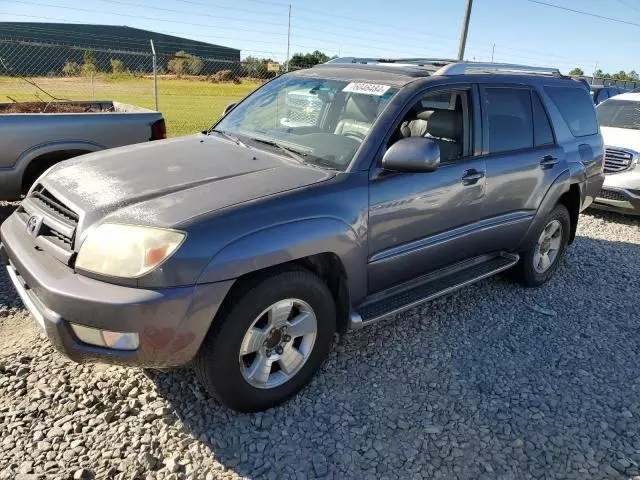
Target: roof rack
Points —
{"points": [[461, 68], [445, 66]]}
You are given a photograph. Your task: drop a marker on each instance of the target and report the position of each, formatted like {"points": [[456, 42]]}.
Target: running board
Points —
{"points": [[423, 289]]}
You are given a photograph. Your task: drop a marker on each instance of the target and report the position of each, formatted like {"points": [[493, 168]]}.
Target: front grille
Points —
{"points": [[617, 160], [50, 221], [44, 198], [612, 195]]}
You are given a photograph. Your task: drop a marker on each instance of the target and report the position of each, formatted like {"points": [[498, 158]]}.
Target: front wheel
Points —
{"points": [[269, 341], [538, 264]]}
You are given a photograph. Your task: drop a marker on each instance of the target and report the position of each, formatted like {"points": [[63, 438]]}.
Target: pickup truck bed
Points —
{"points": [[36, 135]]}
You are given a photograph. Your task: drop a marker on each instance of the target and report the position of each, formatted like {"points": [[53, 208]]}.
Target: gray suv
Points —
{"points": [[242, 250]]}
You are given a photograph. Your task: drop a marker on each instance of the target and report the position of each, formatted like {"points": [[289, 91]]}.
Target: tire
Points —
{"points": [[260, 305], [529, 271]]}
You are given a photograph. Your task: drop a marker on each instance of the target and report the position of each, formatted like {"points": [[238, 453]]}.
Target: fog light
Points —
{"points": [[106, 338]]}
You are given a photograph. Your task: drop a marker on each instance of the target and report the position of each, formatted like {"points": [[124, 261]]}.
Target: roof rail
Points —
{"points": [[461, 68], [415, 62], [445, 66]]}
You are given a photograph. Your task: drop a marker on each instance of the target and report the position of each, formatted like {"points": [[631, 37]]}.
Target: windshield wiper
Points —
{"points": [[231, 137], [292, 152]]}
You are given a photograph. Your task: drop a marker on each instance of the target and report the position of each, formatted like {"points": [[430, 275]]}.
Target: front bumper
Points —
{"points": [[171, 322], [618, 200]]}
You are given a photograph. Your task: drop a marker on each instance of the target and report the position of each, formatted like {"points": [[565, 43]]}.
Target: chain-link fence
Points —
{"points": [[191, 91], [611, 82]]}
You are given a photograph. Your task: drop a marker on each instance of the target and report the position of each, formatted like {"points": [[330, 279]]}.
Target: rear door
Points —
{"points": [[522, 158]]}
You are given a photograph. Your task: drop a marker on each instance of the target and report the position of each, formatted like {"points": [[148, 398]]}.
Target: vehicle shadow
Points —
{"points": [[495, 380], [623, 219]]}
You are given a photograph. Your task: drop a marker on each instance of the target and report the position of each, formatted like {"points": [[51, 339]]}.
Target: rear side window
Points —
{"points": [[576, 108], [510, 117], [542, 130]]}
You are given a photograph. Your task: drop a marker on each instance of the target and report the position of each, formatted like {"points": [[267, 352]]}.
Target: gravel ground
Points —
{"points": [[493, 382]]}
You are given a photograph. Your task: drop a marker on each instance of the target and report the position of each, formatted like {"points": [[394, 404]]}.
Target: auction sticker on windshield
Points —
{"points": [[366, 88]]}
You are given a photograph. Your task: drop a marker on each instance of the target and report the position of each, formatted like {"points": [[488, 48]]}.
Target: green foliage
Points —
{"points": [[576, 72], [88, 63], [255, 67], [306, 60], [117, 66], [71, 69], [184, 63], [88, 57], [623, 76]]}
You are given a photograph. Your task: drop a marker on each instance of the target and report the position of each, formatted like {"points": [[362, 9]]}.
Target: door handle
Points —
{"points": [[548, 161], [472, 176]]}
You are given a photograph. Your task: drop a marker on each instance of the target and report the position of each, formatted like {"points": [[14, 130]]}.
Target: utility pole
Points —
{"points": [[288, 40], [593, 78], [465, 30], [493, 52], [155, 74]]}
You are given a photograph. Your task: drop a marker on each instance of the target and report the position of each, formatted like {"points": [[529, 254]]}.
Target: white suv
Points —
{"points": [[619, 119]]}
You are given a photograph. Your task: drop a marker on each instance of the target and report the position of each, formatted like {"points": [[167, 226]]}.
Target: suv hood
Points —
{"points": [[166, 183], [621, 137]]}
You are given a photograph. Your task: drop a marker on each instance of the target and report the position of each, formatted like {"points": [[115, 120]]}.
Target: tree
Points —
{"points": [[255, 67], [71, 68], [576, 72], [306, 60], [88, 62], [184, 63], [194, 65], [117, 67]]}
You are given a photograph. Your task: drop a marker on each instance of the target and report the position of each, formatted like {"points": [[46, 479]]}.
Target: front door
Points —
{"points": [[419, 222]]}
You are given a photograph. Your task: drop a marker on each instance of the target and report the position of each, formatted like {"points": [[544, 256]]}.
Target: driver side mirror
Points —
{"points": [[229, 107], [412, 154]]}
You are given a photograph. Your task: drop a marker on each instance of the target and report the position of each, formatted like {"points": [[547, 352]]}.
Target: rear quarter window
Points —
{"points": [[576, 108]]}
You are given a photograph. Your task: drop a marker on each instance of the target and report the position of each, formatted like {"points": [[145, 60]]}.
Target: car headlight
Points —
{"points": [[127, 251]]}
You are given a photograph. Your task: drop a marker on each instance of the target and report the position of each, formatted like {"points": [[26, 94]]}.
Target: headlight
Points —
{"points": [[126, 250]]}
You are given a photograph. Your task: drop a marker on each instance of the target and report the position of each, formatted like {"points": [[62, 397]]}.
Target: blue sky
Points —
{"points": [[522, 31]]}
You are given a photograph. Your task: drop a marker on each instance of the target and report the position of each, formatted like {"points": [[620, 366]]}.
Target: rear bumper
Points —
{"points": [[171, 323], [619, 200]]}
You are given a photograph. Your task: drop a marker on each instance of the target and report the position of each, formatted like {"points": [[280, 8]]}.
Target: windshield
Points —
{"points": [[619, 114], [322, 121]]}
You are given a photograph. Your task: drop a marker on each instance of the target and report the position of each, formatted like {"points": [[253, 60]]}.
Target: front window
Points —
{"points": [[323, 122], [619, 114]]}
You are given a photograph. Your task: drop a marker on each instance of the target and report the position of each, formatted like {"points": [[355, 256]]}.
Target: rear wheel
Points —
{"points": [[269, 342], [538, 264]]}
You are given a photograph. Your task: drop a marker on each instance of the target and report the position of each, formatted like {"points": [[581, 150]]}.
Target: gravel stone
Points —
{"points": [[494, 381]]}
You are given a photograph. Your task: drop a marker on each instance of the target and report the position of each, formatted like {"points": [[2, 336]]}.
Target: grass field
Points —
{"points": [[188, 106]]}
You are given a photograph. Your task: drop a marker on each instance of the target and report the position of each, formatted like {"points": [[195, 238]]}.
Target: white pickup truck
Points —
{"points": [[36, 135]]}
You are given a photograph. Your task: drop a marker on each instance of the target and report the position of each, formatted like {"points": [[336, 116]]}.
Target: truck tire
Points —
{"points": [[538, 264], [272, 336]]}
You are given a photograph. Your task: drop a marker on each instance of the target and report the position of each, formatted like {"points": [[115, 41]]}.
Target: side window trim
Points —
{"points": [[535, 94], [485, 117]]}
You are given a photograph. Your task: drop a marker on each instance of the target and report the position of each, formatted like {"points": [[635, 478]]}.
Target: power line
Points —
{"points": [[632, 7], [155, 19], [588, 14], [182, 12]]}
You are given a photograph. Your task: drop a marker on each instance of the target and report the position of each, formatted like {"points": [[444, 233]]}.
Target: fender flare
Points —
{"points": [[36, 151], [290, 241], [559, 187]]}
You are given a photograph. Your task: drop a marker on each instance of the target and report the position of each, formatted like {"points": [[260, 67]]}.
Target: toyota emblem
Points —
{"points": [[32, 224]]}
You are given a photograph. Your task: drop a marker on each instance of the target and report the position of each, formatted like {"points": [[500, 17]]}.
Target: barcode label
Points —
{"points": [[366, 88]]}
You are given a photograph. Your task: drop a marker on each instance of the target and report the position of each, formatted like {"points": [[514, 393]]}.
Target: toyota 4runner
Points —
{"points": [[243, 249]]}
